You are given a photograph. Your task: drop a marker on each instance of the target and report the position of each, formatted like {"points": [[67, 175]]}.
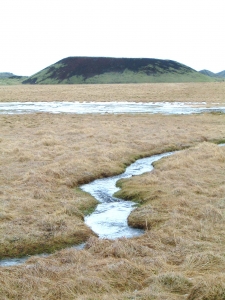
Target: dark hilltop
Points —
{"points": [[77, 70]]}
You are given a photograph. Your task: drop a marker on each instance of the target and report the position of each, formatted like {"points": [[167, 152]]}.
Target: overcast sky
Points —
{"points": [[38, 33]]}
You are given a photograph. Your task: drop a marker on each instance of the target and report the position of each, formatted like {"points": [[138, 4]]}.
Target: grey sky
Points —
{"points": [[37, 33]]}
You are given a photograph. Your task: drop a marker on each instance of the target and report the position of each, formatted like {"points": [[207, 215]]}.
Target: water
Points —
{"points": [[109, 220], [12, 261], [107, 107]]}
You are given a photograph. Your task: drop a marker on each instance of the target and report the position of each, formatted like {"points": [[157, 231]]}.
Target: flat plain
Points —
{"points": [[210, 92], [181, 205]]}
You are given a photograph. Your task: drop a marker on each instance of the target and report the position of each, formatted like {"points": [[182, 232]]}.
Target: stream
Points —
{"points": [[109, 220]]}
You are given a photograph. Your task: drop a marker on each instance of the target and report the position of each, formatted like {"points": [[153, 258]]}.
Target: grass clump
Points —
{"points": [[175, 283], [212, 288]]}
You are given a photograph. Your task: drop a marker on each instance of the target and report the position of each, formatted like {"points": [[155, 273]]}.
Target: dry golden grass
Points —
{"points": [[45, 157], [212, 92], [183, 206], [43, 160]]}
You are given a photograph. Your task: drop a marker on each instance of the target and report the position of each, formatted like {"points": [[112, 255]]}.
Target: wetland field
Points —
{"points": [[180, 204]]}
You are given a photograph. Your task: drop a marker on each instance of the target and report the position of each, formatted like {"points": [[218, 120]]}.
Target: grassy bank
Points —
{"points": [[181, 255], [212, 92]]}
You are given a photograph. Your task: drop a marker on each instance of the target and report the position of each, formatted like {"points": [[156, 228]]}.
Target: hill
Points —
{"points": [[221, 74], [218, 75], [12, 79], [75, 70], [208, 73], [5, 74]]}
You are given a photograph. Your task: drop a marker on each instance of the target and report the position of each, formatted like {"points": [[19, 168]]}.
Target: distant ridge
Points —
{"points": [[221, 74], [77, 70], [211, 74], [5, 74], [7, 78]]}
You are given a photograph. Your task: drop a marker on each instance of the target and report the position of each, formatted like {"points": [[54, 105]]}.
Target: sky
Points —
{"points": [[38, 33]]}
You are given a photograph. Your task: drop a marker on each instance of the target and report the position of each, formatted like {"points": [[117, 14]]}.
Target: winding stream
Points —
{"points": [[109, 220]]}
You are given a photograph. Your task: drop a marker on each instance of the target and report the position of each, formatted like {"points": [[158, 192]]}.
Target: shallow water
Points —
{"points": [[107, 107], [109, 220]]}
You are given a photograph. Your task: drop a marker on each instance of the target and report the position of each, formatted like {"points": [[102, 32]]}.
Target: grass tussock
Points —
{"points": [[210, 288], [43, 160]]}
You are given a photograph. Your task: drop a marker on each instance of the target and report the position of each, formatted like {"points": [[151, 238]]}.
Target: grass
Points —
{"points": [[46, 156], [212, 93], [131, 77], [181, 204], [41, 210], [141, 77]]}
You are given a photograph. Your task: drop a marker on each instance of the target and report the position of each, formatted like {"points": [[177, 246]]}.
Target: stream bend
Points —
{"points": [[109, 220]]}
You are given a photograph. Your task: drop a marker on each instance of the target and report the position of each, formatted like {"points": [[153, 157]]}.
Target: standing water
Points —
{"points": [[108, 107]]}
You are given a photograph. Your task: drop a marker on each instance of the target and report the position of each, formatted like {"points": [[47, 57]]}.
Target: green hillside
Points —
{"points": [[12, 80], [78, 70]]}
